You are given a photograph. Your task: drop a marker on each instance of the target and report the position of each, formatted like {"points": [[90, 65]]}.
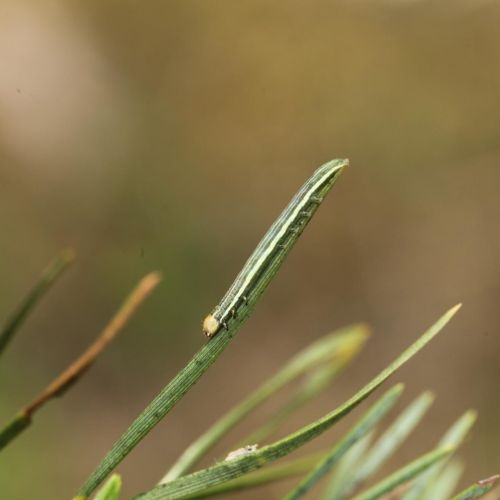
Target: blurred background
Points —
{"points": [[169, 135]]}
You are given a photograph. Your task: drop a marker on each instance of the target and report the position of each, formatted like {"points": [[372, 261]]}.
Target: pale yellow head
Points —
{"points": [[210, 326]]}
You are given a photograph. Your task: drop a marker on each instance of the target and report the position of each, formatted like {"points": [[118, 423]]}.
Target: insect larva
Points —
{"points": [[242, 452], [274, 247]]}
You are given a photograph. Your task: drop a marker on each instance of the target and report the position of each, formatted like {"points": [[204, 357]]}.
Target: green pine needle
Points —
{"points": [[405, 474], [334, 350], [111, 489], [347, 468], [386, 445], [314, 383], [194, 483], [478, 489], [369, 420], [444, 485], [264, 476], [452, 438], [49, 276]]}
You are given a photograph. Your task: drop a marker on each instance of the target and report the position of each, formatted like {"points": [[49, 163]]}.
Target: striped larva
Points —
{"points": [[274, 247]]}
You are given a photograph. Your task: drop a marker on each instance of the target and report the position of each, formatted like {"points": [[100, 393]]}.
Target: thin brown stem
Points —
{"points": [[75, 370], [85, 360]]}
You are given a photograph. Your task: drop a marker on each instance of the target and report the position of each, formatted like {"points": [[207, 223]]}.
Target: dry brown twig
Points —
{"points": [[76, 369]]}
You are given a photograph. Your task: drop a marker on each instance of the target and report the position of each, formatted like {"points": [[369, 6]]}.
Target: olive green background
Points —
{"points": [[168, 135]]}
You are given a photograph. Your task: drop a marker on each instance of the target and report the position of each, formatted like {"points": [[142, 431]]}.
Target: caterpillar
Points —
{"points": [[274, 246]]}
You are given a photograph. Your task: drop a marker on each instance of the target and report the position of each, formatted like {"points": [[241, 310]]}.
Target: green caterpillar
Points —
{"points": [[273, 248]]}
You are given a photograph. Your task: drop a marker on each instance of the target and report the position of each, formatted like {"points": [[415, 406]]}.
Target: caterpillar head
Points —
{"points": [[210, 326]]}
